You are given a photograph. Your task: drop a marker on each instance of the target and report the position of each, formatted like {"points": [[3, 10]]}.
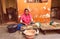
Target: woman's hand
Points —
{"points": [[26, 24]]}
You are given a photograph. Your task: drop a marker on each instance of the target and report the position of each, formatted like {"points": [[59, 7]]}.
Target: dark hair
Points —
{"points": [[26, 9]]}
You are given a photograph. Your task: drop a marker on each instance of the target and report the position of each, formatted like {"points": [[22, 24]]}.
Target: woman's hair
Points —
{"points": [[25, 9]]}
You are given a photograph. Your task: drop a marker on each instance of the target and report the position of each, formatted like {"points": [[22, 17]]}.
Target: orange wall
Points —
{"points": [[36, 9]]}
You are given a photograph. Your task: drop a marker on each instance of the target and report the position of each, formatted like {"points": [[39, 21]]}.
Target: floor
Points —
{"points": [[18, 35]]}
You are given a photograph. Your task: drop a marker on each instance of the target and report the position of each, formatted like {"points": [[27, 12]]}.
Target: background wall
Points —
{"points": [[10, 3], [7, 4], [40, 11], [55, 3], [1, 12], [3, 6]]}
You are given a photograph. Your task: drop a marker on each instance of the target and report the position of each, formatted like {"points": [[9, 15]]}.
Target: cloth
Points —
{"points": [[26, 18], [19, 26]]}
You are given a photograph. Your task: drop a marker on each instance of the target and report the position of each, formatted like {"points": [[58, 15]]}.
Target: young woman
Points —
{"points": [[25, 19]]}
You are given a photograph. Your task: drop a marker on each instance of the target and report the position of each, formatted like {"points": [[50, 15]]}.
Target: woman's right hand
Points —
{"points": [[26, 24]]}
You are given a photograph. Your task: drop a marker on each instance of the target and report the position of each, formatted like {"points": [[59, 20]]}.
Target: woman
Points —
{"points": [[26, 19]]}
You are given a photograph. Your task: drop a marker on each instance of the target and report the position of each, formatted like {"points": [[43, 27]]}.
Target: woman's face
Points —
{"points": [[26, 12]]}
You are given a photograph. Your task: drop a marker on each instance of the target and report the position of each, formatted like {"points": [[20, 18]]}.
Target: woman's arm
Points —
{"points": [[22, 22]]}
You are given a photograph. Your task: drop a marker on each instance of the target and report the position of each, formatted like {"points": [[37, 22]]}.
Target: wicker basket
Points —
{"points": [[30, 34]]}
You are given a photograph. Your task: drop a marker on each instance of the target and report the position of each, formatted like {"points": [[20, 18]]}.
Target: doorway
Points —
{"points": [[11, 14], [55, 10]]}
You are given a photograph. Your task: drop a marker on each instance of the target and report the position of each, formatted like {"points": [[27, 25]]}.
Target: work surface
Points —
{"points": [[5, 35], [50, 27]]}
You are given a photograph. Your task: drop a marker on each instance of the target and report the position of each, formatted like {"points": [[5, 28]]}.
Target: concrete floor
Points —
{"points": [[5, 35]]}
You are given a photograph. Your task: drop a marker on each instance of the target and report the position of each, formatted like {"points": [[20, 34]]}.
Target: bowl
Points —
{"points": [[30, 34]]}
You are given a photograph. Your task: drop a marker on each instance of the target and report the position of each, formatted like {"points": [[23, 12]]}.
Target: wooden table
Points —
{"points": [[45, 28]]}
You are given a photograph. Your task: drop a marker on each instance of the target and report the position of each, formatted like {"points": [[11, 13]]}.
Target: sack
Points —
{"points": [[12, 28]]}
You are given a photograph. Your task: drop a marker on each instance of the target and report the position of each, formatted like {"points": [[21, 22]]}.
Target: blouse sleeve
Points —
{"points": [[21, 18], [31, 18]]}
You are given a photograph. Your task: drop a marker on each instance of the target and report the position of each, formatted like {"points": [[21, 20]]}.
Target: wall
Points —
{"points": [[10, 3], [55, 3], [40, 11], [3, 6], [1, 12], [7, 4]]}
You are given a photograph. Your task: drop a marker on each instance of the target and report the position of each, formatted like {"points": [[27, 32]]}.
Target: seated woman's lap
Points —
{"points": [[21, 24]]}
